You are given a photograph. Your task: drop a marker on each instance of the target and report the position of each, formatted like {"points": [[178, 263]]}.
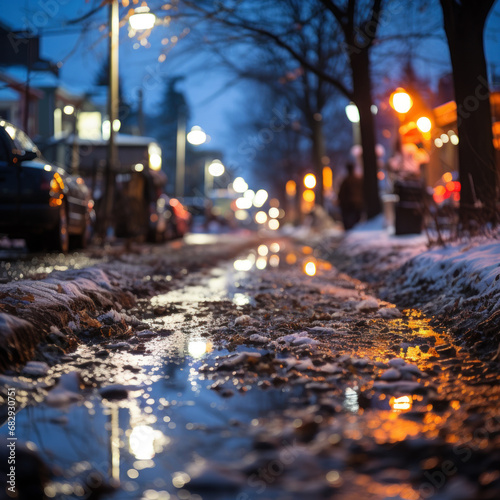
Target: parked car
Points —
{"points": [[39, 201]]}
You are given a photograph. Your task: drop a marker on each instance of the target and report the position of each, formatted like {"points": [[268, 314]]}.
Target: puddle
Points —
{"points": [[145, 442]]}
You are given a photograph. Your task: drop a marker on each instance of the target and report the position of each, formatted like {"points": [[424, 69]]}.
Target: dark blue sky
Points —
{"points": [[83, 55]]}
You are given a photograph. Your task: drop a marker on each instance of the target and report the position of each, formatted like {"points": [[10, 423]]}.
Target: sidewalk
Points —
{"points": [[458, 284]]}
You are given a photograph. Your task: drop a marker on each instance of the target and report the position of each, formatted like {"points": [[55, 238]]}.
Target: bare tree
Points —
{"points": [[347, 33]]}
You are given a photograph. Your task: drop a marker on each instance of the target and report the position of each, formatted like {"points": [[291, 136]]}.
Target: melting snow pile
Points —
{"points": [[459, 283]]}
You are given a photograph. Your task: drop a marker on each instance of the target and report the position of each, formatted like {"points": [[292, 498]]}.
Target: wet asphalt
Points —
{"points": [[266, 374]]}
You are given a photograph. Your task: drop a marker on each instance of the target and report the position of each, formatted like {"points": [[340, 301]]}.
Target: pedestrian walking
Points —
{"points": [[351, 198]]}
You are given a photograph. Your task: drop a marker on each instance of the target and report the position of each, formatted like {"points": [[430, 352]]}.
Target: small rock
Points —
{"points": [[117, 391], [240, 358], [242, 320], [367, 305], [118, 346], [390, 313], [258, 339], [146, 334], [397, 362], [446, 350], [390, 375], [36, 369]]}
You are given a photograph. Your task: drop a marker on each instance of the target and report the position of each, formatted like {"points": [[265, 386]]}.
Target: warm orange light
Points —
{"points": [[310, 268], [291, 258], [327, 178], [55, 202], [402, 403], [447, 177], [306, 250], [439, 190], [450, 186], [401, 101], [380, 176], [291, 188], [310, 181], [309, 196]]}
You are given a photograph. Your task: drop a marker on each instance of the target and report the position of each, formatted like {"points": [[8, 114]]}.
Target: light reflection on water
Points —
{"points": [[145, 441]]}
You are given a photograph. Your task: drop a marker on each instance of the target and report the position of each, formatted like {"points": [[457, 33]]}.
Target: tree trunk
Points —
{"points": [[477, 169], [318, 152], [362, 96]]}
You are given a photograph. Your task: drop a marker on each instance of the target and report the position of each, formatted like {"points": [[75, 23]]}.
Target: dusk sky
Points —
{"points": [[213, 106]]}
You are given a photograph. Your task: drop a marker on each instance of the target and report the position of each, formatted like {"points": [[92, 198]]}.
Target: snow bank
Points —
{"points": [[458, 283]]}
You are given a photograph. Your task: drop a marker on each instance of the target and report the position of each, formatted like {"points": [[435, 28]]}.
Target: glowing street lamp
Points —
{"points": [[216, 168], [142, 19], [310, 181], [239, 185], [401, 101], [424, 124], [212, 169], [196, 136], [352, 112]]}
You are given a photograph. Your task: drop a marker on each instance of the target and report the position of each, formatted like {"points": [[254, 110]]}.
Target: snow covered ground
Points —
{"points": [[459, 283]]}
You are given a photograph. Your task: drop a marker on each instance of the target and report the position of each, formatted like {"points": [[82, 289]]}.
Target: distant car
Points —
{"points": [[40, 202], [168, 220]]}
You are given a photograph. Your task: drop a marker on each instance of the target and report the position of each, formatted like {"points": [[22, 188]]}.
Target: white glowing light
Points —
{"points": [[310, 268], [261, 263], [274, 261], [274, 247], [196, 136], [243, 264], [263, 250], [243, 203], [424, 124], [197, 348], [142, 19], [249, 194], [260, 198], [239, 185], [261, 217], [68, 109], [352, 112], [274, 224], [274, 212], [142, 442], [241, 215], [138, 167], [216, 168]]}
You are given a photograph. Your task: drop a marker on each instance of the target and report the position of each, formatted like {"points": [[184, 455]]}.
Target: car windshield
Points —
{"points": [[20, 139]]}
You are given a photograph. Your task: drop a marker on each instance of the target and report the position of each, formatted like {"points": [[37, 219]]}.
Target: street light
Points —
{"points": [[424, 124], [196, 136], [212, 169], [142, 19], [401, 101], [310, 181], [352, 112]]}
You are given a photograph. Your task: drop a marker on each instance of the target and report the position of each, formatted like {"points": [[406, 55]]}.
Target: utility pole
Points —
{"points": [[112, 156]]}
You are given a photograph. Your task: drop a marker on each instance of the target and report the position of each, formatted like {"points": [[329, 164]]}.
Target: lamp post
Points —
{"points": [[196, 136], [112, 152], [352, 112], [139, 20], [213, 169]]}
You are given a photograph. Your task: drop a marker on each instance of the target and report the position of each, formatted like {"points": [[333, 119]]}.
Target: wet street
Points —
{"points": [[231, 367]]}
